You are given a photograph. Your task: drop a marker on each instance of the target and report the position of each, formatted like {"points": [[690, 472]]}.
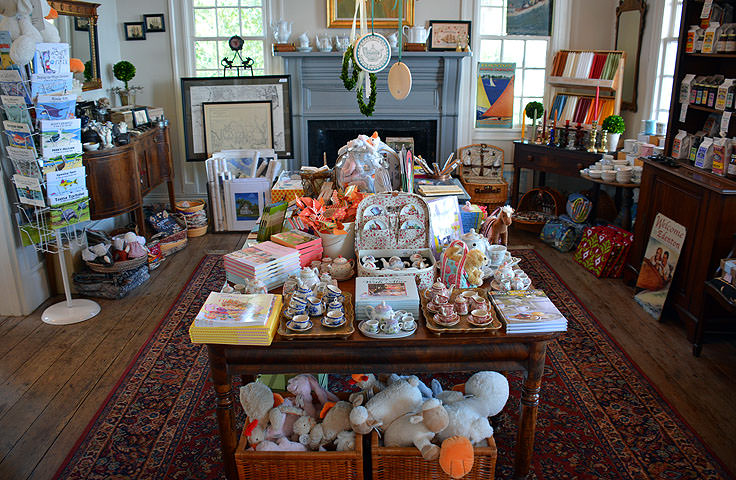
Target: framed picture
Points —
{"points": [[196, 92], [140, 117], [81, 24], [237, 125], [445, 34], [135, 30], [494, 102], [529, 18], [154, 22], [386, 14], [244, 200]]}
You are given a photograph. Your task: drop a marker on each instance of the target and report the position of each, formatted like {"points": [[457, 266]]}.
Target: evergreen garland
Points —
{"points": [[349, 81], [368, 109]]}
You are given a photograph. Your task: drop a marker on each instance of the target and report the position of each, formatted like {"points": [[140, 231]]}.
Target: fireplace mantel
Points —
{"points": [[317, 93]]}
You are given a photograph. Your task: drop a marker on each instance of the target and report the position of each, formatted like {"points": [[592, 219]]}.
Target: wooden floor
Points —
{"points": [[53, 379]]}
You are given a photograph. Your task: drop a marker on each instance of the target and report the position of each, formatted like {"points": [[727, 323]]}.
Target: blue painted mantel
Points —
{"points": [[317, 93]]}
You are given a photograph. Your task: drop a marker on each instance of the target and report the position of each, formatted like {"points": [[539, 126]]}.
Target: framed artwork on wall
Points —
{"points": [[81, 24], [154, 22], [237, 125], [236, 91], [135, 30], [340, 13], [446, 34]]}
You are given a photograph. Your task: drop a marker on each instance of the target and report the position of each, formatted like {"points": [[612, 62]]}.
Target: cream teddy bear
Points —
{"points": [[419, 429], [336, 420], [473, 263], [17, 20], [387, 405], [345, 441], [302, 428], [487, 394]]}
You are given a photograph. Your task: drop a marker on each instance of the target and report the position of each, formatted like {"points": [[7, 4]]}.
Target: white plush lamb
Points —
{"points": [[17, 20], [387, 405]]}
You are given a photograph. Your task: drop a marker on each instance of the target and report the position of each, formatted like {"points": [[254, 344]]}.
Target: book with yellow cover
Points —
{"points": [[240, 335]]}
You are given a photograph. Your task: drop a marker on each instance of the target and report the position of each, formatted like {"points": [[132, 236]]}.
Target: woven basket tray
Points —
{"points": [[118, 267], [544, 202], [404, 463], [307, 465]]}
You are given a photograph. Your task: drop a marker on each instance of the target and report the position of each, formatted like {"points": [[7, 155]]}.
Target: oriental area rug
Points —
{"points": [[599, 418]]}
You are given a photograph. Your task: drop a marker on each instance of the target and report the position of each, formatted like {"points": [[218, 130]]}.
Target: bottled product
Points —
{"points": [[731, 171]]}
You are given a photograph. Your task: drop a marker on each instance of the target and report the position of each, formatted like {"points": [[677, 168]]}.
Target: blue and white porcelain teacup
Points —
{"points": [[334, 317], [332, 293], [300, 322], [316, 307], [303, 292], [298, 302]]}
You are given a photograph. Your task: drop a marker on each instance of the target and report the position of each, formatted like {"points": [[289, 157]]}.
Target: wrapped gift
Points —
{"points": [[471, 217], [286, 189]]}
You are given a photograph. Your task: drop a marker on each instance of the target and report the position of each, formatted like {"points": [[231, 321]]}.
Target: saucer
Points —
{"points": [[450, 324], [290, 325], [304, 49], [333, 325], [493, 324]]}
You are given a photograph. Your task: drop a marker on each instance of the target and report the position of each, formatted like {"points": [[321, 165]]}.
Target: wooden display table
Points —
{"points": [[422, 352], [624, 198]]}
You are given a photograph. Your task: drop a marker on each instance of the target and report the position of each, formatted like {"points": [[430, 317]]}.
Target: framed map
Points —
{"points": [[237, 125], [195, 92]]}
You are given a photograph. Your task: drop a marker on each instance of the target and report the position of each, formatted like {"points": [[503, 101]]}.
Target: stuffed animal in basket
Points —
{"points": [[335, 419], [386, 406], [369, 385], [473, 263], [499, 225], [303, 386], [423, 388], [487, 394], [17, 20], [257, 401], [419, 429]]}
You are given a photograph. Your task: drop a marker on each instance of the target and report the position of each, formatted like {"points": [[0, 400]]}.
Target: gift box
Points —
{"points": [[286, 190], [471, 217]]}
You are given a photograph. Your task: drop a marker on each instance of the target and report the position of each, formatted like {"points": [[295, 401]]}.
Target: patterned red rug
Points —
{"points": [[599, 418]]}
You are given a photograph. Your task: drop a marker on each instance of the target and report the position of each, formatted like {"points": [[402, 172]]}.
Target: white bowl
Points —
{"points": [[620, 162], [608, 176], [623, 177], [89, 146], [607, 168], [594, 173], [623, 168]]}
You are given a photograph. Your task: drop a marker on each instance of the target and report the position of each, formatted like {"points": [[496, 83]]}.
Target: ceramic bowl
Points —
{"points": [[608, 176], [90, 146], [594, 173], [623, 176], [620, 163], [607, 167]]}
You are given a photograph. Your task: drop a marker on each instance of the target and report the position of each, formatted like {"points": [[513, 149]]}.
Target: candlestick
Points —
{"points": [[593, 134], [523, 125]]}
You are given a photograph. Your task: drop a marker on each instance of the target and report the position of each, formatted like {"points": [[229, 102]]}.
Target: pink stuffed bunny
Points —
{"points": [[303, 386]]}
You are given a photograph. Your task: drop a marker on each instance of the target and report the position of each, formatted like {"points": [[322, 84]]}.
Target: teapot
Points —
{"points": [[281, 31], [393, 40], [394, 263], [341, 267], [324, 44], [382, 313], [439, 288], [474, 240], [303, 40], [309, 277], [417, 33]]}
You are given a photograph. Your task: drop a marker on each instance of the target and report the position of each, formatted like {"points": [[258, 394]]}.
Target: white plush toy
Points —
{"points": [[345, 441], [336, 420], [302, 428], [445, 396], [369, 385], [419, 429], [486, 393], [257, 401], [387, 405], [282, 420], [17, 20]]}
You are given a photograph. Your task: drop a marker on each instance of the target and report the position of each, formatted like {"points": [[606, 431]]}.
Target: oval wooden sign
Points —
{"points": [[399, 80]]}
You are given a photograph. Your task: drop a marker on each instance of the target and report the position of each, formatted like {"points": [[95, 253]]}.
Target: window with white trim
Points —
{"points": [[528, 52], [214, 22], [667, 58]]}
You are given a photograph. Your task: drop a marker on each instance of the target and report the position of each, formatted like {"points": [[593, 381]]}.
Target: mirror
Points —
{"points": [[629, 33], [77, 24]]}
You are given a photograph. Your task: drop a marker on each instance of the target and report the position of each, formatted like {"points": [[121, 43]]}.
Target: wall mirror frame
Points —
{"points": [[88, 10], [630, 18]]}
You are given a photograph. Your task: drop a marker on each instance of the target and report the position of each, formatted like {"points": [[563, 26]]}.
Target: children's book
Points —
{"points": [[62, 162], [16, 109], [70, 213], [51, 84], [61, 137], [5, 41], [19, 135], [55, 107], [24, 161], [66, 185], [528, 311], [272, 220], [29, 190], [235, 310], [51, 58], [296, 239]]}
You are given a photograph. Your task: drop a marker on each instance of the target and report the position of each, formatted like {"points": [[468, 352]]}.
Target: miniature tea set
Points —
{"points": [[339, 269], [384, 322], [468, 303], [414, 262], [506, 278], [304, 305], [250, 287], [309, 277]]}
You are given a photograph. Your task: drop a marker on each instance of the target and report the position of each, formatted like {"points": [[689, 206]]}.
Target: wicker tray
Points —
{"points": [[463, 326], [118, 267], [319, 331], [403, 463], [307, 465]]}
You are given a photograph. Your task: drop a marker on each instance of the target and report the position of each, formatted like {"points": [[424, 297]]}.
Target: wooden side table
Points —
{"points": [[624, 198]]}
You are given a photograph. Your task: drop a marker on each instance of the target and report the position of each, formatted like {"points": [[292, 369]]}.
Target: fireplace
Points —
{"points": [[327, 136], [326, 116]]}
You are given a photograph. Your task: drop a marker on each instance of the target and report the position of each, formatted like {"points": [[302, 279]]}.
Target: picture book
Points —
{"points": [[24, 161], [373, 289], [19, 135], [66, 185], [528, 311], [62, 162], [444, 223], [5, 41], [51, 84], [55, 107], [235, 310], [272, 220], [12, 84], [70, 213], [61, 137], [294, 239], [29, 190], [51, 58], [16, 109]]}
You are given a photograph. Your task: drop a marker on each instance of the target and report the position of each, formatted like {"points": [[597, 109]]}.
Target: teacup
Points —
{"points": [[334, 317], [315, 264], [303, 292], [445, 309], [391, 326], [461, 305], [239, 287], [477, 303], [371, 326], [496, 254], [445, 319], [367, 259], [441, 300], [408, 323], [227, 289], [298, 302], [416, 257], [480, 316], [335, 305], [370, 265], [519, 283], [316, 307], [332, 292], [326, 260], [300, 322]]}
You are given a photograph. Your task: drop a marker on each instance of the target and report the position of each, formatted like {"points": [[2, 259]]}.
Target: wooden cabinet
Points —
{"points": [[706, 206], [118, 178]]}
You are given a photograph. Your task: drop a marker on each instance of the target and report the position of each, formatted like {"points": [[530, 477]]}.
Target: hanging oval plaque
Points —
{"points": [[399, 80], [372, 52]]}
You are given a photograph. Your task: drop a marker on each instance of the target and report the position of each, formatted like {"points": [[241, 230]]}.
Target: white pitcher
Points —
{"points": [[282, 31], [417, 33]]}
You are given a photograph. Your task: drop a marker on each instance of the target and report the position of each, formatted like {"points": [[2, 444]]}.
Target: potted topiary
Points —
{"points": [[125, 72], [615, 126], [534, 110]]}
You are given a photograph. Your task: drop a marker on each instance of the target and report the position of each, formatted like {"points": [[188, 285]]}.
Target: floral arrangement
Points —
{"points": [[324, 218]]}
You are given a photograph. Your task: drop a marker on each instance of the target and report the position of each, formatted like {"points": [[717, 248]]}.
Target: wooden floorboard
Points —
{"points": [[54, 379]]}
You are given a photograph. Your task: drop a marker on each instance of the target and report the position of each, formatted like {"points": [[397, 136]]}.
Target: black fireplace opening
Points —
{"points": [[327, 136]]}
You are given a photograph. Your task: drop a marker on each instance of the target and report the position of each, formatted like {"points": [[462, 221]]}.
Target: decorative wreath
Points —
{"points": [[349, 81]]}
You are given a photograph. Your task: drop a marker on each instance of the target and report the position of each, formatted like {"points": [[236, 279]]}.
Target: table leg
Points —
{"points": [[225, 410], [515, 187], [172, 197], [626, 204], [529, 405]]}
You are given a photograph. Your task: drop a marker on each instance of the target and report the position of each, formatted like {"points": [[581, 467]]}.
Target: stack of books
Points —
{"points": [[529, 311], [309, 246], [591, 65], [268, 262], [399, 292], [235, 319]]}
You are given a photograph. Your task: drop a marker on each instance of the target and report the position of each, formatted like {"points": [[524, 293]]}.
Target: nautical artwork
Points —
{"points": [[529, 17], [494, 107]]}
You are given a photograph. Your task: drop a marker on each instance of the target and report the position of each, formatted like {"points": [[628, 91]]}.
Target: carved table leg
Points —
{"points": [[225, 410], [529, 405]]}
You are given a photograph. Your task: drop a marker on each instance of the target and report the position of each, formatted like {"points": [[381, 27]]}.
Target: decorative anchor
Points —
{"points": [[236, 45]]}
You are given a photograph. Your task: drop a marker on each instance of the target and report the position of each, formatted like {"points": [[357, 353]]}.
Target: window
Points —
{"points": [[528, 52], [215, 21], [666, 64]]}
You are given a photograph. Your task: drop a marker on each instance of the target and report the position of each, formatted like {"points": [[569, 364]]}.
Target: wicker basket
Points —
{"points": [[541, 204], [175, 242], [307, 465], [403, 463], [117, 267], [483, 182], [188, 208]]}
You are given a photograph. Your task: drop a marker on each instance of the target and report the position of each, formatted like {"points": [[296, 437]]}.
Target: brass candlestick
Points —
{"points": [[604, 141], [593, 134]]}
